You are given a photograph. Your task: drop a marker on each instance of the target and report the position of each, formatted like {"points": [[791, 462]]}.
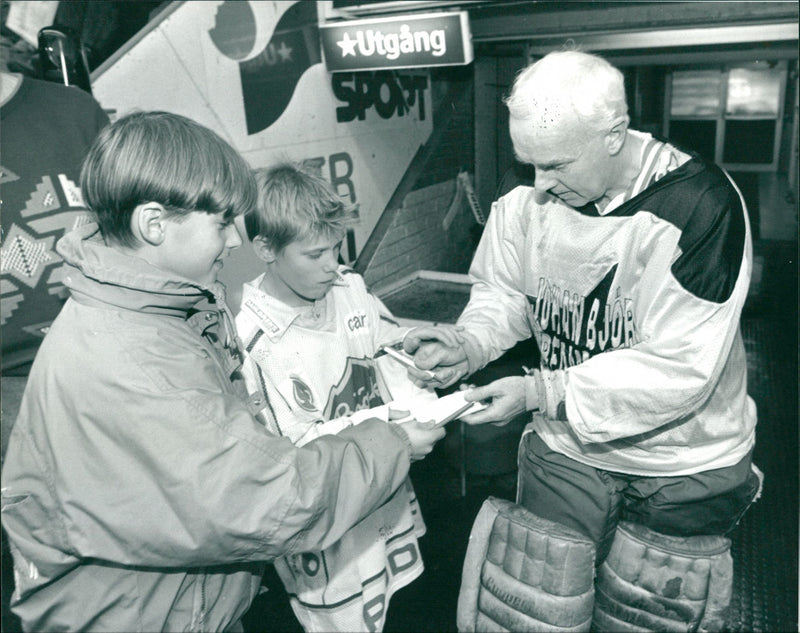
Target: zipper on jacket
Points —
{"points": [[203, 600], [199, 610]]}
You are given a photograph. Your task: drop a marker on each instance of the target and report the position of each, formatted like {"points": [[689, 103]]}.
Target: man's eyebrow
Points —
{"points": [[553, 163]]}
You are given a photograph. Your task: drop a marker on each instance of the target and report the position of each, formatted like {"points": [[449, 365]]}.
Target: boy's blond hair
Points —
{"points": [[294, 203]]}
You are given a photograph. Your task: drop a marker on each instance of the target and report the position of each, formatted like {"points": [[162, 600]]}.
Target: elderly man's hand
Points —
{"points": [[504, 398], [438, 349]]}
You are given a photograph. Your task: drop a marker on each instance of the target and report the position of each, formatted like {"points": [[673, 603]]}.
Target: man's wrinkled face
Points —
{"points": [[571, 161]]}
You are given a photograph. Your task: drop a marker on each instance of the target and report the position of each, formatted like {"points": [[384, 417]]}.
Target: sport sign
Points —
{"points": [[409, 41]]}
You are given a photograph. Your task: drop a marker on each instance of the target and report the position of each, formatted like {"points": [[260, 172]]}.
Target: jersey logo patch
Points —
{"points": [[302, 394], [357, 389]]}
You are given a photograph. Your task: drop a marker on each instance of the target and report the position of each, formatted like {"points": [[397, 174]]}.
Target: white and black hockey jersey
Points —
{"points": [[314, 369], [636, 312]]}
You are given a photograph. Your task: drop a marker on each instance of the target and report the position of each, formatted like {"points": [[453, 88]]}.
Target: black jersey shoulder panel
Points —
{"points": [[699, 200]]}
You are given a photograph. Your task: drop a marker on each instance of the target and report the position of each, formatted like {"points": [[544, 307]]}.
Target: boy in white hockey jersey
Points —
{"points": [[311, 330]]}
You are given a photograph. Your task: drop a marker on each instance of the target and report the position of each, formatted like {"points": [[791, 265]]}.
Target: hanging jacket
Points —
{"points": [[139, 492]]}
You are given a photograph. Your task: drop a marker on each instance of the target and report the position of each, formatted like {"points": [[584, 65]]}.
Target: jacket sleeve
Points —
{"points": [[690, 316], [495, 318], [175, 471]]}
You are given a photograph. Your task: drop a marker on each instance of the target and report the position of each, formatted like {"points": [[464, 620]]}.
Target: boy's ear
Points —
{"points": [[263, 250], [147, 223]]}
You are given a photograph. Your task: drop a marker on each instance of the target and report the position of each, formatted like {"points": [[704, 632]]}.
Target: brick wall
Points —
{"points": [[415, 239]]}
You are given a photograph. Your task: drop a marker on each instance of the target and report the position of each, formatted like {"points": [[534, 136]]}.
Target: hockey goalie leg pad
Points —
{"points": [[655, 582], [525, 573]]}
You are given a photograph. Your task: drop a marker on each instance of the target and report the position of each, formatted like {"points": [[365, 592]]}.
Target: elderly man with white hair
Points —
{"points": [[629, 261]]}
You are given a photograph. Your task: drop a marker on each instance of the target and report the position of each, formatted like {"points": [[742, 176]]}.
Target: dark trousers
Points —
{"points": [[593, 501]]}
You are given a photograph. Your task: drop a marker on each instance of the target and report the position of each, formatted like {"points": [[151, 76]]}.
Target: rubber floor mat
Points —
{"points": [[766, 540]]}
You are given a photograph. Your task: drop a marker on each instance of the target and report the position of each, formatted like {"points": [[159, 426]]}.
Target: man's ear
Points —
{"points": [[615, 137], [148, 223], [263, 250]]}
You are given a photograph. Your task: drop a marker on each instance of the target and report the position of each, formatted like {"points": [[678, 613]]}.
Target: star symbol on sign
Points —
{"points": [[347, 45], [285, 52]]}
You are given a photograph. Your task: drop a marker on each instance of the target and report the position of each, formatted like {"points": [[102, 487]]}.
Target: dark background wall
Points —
{"points": [[412, 235], [102, 26]]}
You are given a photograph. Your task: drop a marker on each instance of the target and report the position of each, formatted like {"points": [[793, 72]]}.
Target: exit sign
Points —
{"points": [[411, 41]]}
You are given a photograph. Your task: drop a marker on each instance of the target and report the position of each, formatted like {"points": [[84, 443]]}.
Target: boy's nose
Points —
{"points": [[331, 263], [234, 240]]}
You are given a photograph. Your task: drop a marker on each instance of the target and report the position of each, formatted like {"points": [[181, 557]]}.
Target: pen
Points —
{"points": [[406, 360]]}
